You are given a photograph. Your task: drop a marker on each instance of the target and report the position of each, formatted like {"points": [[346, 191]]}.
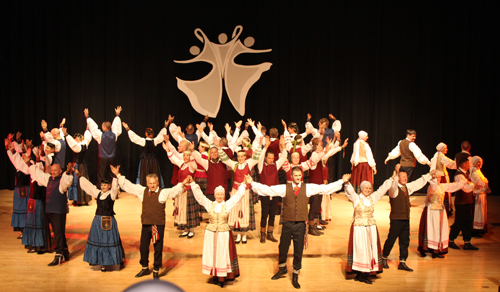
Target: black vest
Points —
{"points": [[149, 149], [79, 158], [105, 207], [56, 202]]}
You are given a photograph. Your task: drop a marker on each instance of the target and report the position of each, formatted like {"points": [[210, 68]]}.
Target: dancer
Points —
{"points": [[149, 162], [56, 204], [399, 195], [440, 163], [242, 216], [364, 254], [220, 259], [363, 165], [409, 152], [153, 200], [268, 173], [295, 200], [79, 144], [104, 246], [107, 142], [186, 207], [433, 233], [54, 137], [480, 225]]}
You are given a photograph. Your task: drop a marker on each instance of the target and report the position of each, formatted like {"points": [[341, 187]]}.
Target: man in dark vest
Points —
{"points": [[399, 195], [54, 137], [268, 171], [464, 204], [56, 204], [464, 154], [295, 214], [107, 143], [410, 154], [153, 200]]}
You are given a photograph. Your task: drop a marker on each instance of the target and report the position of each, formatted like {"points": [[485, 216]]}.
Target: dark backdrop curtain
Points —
{"points": [[378, 66]]}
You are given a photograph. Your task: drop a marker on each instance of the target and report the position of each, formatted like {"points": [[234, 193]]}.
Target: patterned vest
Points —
{"points": [[363, 215], [218, 221], [153, 212]]}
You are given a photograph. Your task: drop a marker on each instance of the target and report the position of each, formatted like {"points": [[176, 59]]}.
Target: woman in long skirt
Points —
{"points": [[480, 225], [433, 233], [364, 255], [220, 259], [104, 246]]}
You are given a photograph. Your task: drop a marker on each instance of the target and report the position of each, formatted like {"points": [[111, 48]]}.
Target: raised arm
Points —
{"points": [[94, 130], [200, 197], [171, 193], [382, 190], [89, 187], [200, 160], [418, 183], [314, 189], [236, 198], [351, 194]]}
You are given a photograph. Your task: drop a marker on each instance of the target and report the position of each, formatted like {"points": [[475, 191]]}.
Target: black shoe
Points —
{"points": [[281, 272], [41, 252], [58, 259], [422, 253], [270, 237], [313, 231], [404, 267], [477, 235], [469, 246], [103, 269], [143, 272], [20, 236], [262, 237], [436, 255], [323, 222], [453, 245], [364, 279], [66, 255], [295, 281], [155, 275], [357, 278], [384, 264], [221, 284]]}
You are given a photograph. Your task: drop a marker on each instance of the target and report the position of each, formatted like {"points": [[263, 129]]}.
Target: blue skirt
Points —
{"points": [[19, 207], [34, 233], [104, 247], [75, 192]]}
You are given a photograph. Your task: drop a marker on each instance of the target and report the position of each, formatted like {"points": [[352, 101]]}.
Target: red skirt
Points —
{"points": [[360, 173]]}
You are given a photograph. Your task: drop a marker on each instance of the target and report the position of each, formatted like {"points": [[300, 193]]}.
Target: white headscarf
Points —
{"points": [[219, 189], [440, 146]]}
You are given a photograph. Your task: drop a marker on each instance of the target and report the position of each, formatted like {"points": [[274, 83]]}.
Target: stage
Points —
{"points": [[323, 264]]}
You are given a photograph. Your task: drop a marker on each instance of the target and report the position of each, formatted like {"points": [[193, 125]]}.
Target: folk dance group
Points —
{"points": [[219, 178]]}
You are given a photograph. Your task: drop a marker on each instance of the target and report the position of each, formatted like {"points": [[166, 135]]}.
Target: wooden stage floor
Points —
{"points": [[323, 264]]}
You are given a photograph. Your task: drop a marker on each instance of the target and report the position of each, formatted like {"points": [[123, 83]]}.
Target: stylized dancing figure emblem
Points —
{"points": [[205, 94]]}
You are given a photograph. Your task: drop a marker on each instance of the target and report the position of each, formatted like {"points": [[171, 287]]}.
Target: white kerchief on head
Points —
{"points": [[440, 146], [474, 160], [362, 134], [219, 189], [364, 184]]}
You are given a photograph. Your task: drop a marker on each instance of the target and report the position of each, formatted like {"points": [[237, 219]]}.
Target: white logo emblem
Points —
{"points": [[205, 94]]}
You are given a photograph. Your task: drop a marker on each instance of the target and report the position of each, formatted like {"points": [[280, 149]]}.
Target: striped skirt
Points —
{"points": [[185, 211], [220, 258], [76, 193], [104, 247], [19, 207], [242, 216], [480, 211], [364, 253], [433, 231]]}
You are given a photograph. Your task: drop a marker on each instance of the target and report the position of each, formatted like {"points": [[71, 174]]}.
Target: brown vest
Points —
{"points": [[407, 157], [153, 212], [400, 206], [295, 207], [461, 197]]}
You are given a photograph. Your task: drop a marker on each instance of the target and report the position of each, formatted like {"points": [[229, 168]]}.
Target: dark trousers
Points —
{"points": [[103, 170], [146, 235], [315, 202], [58, 223], [399, 229], [408, 170], [269, 207], [463, 222], [292, 230]]}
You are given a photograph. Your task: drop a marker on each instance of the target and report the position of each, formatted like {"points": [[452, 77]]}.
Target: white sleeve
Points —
{"points": [[37, 174], [173, 132], [18, 162], [174, 159], [281, 159], [136, 139], [394, 153], [418, 184], [89, 187], [94, 130], [75, 146], [270, 191], [200, 197], [200, 160], [116, 127], [87, 137], [382, 190], [314, 189], [127, 186], [351, 195], [394, 189], [170, 193], [369, 156], [66, 182], [236, 198], [159, 138], [421, 158]]}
